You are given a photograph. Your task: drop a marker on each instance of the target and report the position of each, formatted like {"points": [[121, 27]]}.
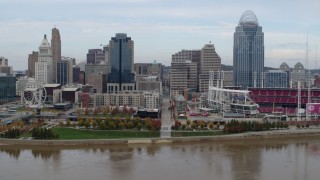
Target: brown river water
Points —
{"points": [[278, 159]]}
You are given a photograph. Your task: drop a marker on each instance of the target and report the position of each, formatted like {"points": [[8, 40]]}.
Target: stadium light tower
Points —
{"points": [[308, 79]]}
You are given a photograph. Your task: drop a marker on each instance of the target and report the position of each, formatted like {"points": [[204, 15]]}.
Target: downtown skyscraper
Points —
{"points": [[248, 52], [32, 59], [121, 64], [190, 70], [56, 51], [43, 68], [183, 73], [210, 61]]}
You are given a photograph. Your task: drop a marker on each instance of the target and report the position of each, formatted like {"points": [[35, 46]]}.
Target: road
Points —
{"points": [[166, 121], [15, 117]]}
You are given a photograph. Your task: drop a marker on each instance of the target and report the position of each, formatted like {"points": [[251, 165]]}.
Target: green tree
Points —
{"points": [[129, 125], [121, 125], [139, 126], [43, 133], [218, 125], [211, 125], [136, 121], [88, 123], [128, 119], [188, 122], [202, 125], [112, 125], [117, 119], [147, 123], [102, 125], [96, 111], [115, 111], [108, 119], [20, 124], [273, 125], [68, 122], [86, 111], [125, 110], [79, 112], [131, 111], [80, 122], [11, 133], [194, 125], [94, 124]]}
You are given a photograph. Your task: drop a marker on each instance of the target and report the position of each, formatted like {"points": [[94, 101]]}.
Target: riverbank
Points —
{"points": [[290, 133]]}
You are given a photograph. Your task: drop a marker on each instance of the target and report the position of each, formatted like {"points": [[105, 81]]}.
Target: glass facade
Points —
{"points": [[76, 75], [277, 79], [121, 59], [248, 52], [7, 88], [62, 72]]}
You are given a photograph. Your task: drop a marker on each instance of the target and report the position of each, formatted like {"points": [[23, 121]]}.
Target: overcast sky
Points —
{"points": [[159, 28]]}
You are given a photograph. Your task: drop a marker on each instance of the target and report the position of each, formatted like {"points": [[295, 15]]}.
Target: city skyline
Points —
{"points": [[159, 28]]}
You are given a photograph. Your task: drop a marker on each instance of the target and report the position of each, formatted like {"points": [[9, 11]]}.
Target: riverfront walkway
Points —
{"points": [[166, 121], [274, 134]]}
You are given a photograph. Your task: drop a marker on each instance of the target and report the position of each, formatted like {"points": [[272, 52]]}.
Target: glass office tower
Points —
{"points": [[121, 49], [248, 52]]}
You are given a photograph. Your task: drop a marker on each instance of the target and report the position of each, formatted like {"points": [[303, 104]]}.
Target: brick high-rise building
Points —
{"points": [[143, 70], [96, 56], [4, 68], [183, 73], [3, 61], [210, 61], [32, 59]]}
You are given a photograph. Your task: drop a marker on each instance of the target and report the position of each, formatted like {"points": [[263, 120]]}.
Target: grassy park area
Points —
{"points": [[71, 133]]}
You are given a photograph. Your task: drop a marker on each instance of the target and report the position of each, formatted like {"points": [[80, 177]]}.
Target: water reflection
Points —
{"points": [[254, 159], [244, 157], [46, 154], [14, 153], [314, 149]]}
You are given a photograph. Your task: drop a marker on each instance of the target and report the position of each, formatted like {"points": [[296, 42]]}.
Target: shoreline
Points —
{"points": [[277, 134]]}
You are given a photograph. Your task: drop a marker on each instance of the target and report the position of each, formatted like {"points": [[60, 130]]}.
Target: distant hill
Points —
{"points": [[315, 71], [226, 67], [230, 68], [269, 68]]}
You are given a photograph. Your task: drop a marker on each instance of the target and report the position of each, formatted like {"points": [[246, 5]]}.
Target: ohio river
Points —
{"points": [[292, 159]]}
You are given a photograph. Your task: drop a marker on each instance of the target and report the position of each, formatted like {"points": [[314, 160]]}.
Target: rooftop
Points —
{"points": [[51, 85], [70, 89], [248, 17]]}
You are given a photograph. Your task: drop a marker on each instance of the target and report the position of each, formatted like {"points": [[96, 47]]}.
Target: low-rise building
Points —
{"points": [[136, 99], [276, 79], [69, 94], [124, 98], [151, 99]]}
